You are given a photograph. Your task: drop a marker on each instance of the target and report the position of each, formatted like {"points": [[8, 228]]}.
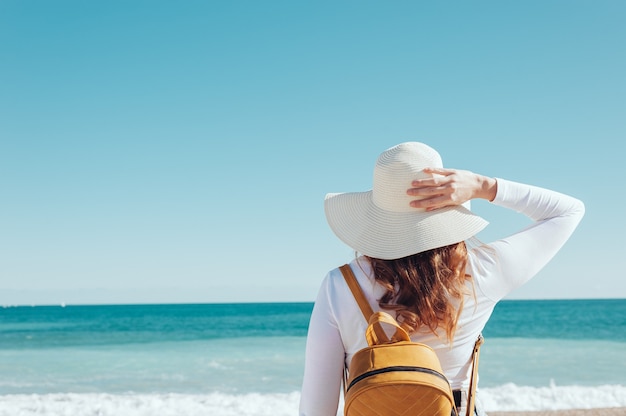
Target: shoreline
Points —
{"points": [[610, 411]]}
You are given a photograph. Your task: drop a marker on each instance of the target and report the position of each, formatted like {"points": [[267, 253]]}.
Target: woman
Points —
{"points": [[410, 232]]}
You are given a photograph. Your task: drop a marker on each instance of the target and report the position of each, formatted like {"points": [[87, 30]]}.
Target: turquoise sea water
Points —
{"points": [[215, 354]]}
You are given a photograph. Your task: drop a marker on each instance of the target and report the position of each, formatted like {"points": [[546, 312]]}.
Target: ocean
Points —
{"points": [[247, 359]]}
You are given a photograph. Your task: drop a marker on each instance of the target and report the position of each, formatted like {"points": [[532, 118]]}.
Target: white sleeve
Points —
{"points": [[324, 361], [509, 263]]}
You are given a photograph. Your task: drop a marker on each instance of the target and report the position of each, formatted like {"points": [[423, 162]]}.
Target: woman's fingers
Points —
{"points": [[432, 185], [431, 203], [439, 171], [434, 180], [445, 188], [426, 190]]}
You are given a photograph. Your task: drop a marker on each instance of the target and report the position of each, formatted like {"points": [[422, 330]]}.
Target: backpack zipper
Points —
{"points": [[397, 368]]}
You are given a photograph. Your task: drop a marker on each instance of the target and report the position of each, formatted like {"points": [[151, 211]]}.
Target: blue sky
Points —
{"points": [[157, 151]]}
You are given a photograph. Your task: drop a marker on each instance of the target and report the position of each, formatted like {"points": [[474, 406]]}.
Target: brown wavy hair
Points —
{"points": [[425, 289]]}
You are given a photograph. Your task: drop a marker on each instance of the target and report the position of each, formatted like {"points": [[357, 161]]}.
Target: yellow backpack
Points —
{"points": [[397, 376]]}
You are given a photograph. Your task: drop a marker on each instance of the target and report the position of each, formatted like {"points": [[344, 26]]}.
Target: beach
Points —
{"points": [[614, 411]]}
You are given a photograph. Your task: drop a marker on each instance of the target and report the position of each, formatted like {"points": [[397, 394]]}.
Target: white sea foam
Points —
{"points": [[216, 404], [507, 397], [553, 397]]}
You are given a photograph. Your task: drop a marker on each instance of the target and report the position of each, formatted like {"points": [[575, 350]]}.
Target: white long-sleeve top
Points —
{"points": [[337, 325]]}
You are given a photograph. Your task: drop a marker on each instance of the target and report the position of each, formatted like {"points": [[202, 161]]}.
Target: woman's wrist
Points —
{"points": [[487, 188]]}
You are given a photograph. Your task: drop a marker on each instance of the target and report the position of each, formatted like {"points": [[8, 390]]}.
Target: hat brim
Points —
{"points": [[389, 235]]}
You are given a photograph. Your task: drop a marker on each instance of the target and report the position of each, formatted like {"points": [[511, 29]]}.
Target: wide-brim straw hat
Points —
{"points": [[380, 223]]}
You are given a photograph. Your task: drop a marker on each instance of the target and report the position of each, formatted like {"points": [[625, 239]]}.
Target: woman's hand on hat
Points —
{"points": [[450, 187]]}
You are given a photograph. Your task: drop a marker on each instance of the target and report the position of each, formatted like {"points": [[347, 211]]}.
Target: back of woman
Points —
{"points": [[410, 232]]}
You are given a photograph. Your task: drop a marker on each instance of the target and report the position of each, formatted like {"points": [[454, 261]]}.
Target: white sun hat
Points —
{"points": [[380, 223]]}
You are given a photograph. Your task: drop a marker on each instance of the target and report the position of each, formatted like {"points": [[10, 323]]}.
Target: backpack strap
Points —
{"points": [[364, 305], [471, 395]]}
